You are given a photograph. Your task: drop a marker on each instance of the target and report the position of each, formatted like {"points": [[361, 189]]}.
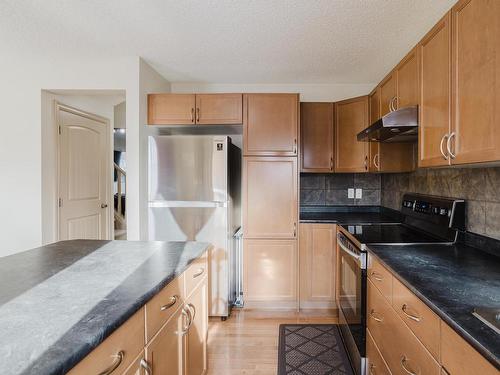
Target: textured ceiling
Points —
{"points": [[224, 41]]}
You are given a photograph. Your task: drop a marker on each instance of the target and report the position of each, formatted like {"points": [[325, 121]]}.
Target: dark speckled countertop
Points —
{"points": [[452, 281], [58, 302], [348, 215]]}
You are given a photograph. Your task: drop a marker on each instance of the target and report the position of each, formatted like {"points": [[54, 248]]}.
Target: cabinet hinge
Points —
{"points": [[60, 202], [59, 130]]}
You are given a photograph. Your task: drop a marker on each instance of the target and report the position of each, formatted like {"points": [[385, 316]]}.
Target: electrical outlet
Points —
{"points": [[359, 193], [350, 193]]}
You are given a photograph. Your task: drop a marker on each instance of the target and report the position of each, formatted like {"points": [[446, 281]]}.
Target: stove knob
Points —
{"points": [[443, 212], [435, 210]]}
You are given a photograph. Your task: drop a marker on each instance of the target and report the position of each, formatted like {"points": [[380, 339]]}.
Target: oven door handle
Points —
{"points": [[343, 247]]}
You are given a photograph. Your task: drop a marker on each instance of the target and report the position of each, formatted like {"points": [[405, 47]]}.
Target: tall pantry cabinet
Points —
{"points": [[270, 199]]}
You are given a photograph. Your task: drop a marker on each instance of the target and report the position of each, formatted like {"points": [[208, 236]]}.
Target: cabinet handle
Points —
{"points": [[374, 317], [197, 114], [117, 362], [403, 365], [331, 163], [294, 229], [366, 162], [173, 301], [441, 146], [147, 368], [375, 161], [372, 366], [412, 317], [295, 146], [376, 276], [192, 114], [392, 107], [199, 273], [448, 145], [187, 313], [192, 308]]}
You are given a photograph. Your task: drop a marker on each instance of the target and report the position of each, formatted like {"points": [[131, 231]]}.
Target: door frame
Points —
{"points": [[60, 107]]}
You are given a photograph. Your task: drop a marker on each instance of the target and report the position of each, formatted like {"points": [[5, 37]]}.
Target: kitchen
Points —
{"points": [[280, 233]]}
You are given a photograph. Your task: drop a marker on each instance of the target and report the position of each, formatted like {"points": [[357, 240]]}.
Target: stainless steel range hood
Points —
{"points": [[397, 126]]}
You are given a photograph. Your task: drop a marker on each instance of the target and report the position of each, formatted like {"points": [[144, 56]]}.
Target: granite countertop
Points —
{"points": [[452, 280], [348, 215], [58, 302]]}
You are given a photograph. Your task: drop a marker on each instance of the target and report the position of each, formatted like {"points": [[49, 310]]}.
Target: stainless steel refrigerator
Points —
{"points": [[195, 195]]}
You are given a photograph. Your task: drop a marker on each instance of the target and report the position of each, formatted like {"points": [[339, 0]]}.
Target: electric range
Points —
{"points": [[426, 220]]}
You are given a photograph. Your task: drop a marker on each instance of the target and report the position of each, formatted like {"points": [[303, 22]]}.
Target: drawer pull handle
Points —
{"points": [[199, 273], [410, 316], [192, 309], [403, 365], [147, 368], [377, 276], [117, 362], [173, 301], [373, 314]]}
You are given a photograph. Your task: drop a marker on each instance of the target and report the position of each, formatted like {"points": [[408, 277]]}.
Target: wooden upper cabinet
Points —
{"points": [[171, 109], [374, 147], [374, 99], [219, 109], [317, 137], [270, 197], [270, 124], [407, 81], [435, 94], [475, 133], [351, 118], [388, 93]]}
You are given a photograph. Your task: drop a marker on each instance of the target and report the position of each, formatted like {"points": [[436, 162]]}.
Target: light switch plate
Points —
{"points": [[359, 193], [350, 193]]}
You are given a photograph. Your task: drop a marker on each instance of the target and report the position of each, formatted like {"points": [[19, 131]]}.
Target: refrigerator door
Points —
{"points": [[203, 223], [188, 168]]}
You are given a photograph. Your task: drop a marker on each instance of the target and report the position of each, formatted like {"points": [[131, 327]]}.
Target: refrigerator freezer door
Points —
{"points": [[188, 168], [205, 224]]}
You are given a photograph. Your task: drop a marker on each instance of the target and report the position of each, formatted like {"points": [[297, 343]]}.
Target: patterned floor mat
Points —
{"points": [[311, 349]]}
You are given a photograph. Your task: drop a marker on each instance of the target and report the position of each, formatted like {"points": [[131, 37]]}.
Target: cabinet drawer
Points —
{"points": [[120, 349], [400, 348], [417, 316], [380, 277], [195, 273], [376, 364], [164, 305], [459, 358]]}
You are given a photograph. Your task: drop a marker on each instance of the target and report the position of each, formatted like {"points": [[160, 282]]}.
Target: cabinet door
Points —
{"points": [[387, 93], [351, 118], [219, 109], [165, 354], [270, 124], [476, 81], [317, 247], [270, 197], [407, 81], [171, 109], [435, 94], [270, 273], [196, 363], [316, 140]]}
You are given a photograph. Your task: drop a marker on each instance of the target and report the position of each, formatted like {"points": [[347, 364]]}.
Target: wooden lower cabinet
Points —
{"points": [[196, 359], [165, 353], [317, 270], [270, 273], [376, 364]]}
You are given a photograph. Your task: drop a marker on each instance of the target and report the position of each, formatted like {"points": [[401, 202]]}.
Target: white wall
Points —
{"points": [[308, 92], [23, 78]]}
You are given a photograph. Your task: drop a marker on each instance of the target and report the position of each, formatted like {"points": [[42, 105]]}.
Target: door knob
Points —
{"points": [[104, 205]]}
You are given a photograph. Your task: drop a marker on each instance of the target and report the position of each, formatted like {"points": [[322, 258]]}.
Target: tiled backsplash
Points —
{"points": [[331, 189], [479, 186]]}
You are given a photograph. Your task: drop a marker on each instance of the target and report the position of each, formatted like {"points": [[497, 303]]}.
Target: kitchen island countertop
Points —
{"points": [[58, 302]]}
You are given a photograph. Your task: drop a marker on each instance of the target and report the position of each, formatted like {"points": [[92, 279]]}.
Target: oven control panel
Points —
{"points": [[426, 207]]}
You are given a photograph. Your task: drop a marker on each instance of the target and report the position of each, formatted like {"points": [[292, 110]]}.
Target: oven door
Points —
{"points": [[352, 301]]}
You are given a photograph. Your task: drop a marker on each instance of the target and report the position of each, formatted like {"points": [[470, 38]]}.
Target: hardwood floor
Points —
{"points": [[247, 343]]}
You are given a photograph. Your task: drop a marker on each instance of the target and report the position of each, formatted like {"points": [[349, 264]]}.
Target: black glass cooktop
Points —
{"points": [[389, 234]]}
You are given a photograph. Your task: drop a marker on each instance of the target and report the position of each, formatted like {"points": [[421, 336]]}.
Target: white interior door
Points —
{"points": [[84, 176]]}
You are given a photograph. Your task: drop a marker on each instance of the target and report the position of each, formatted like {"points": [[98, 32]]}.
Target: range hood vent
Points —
{"points": [[397, 126]]}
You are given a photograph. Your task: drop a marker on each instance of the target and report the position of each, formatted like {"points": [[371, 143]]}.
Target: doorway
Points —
{"points": [[84, 181]]}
